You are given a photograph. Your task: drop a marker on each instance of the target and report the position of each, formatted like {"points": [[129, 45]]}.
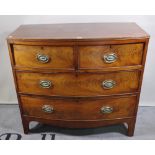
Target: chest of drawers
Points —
{"points": [[78, 75]]}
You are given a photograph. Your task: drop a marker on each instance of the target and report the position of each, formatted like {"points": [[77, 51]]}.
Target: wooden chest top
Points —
{"points": [[80, 31]]}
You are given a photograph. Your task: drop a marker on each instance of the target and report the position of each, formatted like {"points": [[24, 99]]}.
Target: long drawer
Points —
{"points": [[82, 84], [98, 57], [49, 57], [67, 109]]}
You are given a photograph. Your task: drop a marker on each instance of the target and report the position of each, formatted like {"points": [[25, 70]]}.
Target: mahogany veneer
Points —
{"points": [[83, 84], [78, 75]]}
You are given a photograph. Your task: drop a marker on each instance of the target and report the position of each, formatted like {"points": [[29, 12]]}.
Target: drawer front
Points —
{"points": [[43, 57], [97, 57], [108, 108], [83, 84]]}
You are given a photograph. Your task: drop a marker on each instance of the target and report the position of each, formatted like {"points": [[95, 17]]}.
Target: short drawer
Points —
{"points": [[67, 109], [49, 57], [83, 84], [98, 57]]}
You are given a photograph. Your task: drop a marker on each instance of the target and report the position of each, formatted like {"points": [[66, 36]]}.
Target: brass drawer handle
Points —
{"points": [[45, 83], [110, 57], [43, 58], [47, 109], [106, 110], [108, 84]]}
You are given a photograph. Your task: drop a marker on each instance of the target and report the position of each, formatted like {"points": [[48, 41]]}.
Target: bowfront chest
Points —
{"points": [[78, 75]]}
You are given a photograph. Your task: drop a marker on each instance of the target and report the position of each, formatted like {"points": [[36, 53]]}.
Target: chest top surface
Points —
{"points": [[78, 31]]}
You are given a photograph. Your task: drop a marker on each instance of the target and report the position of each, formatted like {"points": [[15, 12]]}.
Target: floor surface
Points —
{"points": [[11, 128]]}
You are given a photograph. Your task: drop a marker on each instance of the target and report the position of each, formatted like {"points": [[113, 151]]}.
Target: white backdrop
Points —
{"points": [[10, 23]]}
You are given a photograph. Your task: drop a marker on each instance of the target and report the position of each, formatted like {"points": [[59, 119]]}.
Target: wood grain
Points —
{"points": [[68, 84], [91, 57], [60, 57], [77, 31], [79, 109]]}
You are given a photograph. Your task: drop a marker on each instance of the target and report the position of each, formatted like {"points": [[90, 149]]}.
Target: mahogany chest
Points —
{"points": [[78, 75]]}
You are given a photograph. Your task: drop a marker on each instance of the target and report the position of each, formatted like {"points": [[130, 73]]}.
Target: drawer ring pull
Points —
{"points": [[108, 84], [110, 57], [106, 110], [45, 84], [47, 109], [43, 58]]}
